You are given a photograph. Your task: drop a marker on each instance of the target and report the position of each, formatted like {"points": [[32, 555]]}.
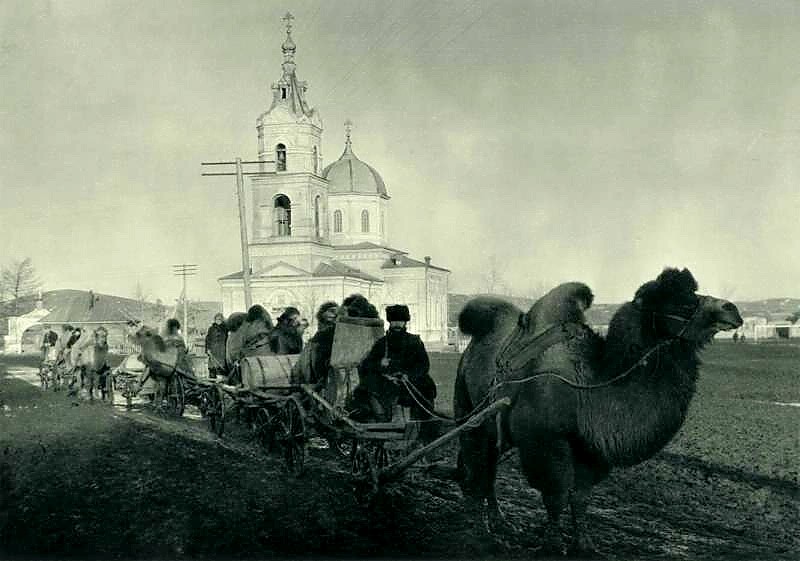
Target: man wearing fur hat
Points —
{"points": [[397, 367]]}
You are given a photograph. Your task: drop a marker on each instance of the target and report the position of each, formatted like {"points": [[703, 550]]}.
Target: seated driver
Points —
{"points": [[396, 371]]}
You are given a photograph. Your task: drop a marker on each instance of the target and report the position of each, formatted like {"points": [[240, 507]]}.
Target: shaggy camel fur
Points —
{"points": [[581, 404]]}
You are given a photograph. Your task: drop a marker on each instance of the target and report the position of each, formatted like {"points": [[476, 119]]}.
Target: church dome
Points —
{"points": [[348, 174]]}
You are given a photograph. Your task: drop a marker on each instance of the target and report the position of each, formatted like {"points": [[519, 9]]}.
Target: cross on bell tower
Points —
{"points": [[288, 19]]}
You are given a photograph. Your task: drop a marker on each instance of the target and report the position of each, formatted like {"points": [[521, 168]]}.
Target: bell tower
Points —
{"points": [[289, 204]]}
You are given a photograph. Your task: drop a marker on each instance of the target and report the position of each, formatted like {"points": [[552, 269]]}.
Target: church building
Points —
{"points": [[321, 233]]}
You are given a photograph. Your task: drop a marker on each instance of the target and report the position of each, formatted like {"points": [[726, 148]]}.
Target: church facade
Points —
{"points": [[321, 233]]}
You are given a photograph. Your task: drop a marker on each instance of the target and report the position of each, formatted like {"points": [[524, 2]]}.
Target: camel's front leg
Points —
{"points": [[582, 545]]}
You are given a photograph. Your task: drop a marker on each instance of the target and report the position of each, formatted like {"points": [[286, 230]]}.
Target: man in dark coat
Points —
{"points": [[216, 338], [397, 368]]}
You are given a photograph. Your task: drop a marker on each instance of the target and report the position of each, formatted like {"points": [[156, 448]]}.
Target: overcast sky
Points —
{"points": [[592, 141]]}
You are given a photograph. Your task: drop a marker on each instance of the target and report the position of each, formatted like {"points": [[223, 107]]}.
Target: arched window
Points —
{"points": [[316, 161], [317, 225], [364, 221], [283, 216], [337, 221], [280, 157]]}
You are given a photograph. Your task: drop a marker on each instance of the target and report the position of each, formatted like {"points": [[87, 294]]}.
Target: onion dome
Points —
{"points": [[348, 174]]}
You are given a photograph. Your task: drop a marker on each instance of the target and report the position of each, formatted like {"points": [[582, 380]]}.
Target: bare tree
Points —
{"points": [[20, 280], [536, 289], [493, 278]]}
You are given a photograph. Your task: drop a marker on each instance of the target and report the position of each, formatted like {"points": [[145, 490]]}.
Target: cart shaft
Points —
{"points": [[393, 471]]}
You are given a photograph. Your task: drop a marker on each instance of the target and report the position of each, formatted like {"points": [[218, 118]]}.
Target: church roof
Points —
{"points": [[330, 268], [335, 268], [400, 261], [349, 174], [367, 245]]}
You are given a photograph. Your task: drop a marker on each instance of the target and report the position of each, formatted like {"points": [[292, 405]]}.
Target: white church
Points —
{"points": [[320, 233]]}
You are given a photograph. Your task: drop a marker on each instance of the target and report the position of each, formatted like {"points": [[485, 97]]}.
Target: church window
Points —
{"points": [[317, 225], [316, 161], [364, 220], [283, 93], [337, 221], [280, 157], [283, 216]]}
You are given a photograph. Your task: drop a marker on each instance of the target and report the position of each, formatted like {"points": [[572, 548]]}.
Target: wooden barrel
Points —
{"points": [[268, 370]]}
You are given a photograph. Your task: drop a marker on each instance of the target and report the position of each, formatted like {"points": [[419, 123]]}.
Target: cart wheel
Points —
{"points": [[175, 395], [128, 391], [216, 410], [264, 429], [381, 456], [292, 436], [365, 476], [360, 462], [110, 388]]}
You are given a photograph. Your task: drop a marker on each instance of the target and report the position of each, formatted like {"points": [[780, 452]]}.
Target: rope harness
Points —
{"points": [[540, 342]]}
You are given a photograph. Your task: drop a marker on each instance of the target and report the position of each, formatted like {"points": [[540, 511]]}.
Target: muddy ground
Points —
{"points": [[81, 480]]}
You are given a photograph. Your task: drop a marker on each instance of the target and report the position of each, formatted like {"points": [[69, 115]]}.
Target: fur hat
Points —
{"points": [[357, 306], [398, 312], [257, 312], [324, 308]]}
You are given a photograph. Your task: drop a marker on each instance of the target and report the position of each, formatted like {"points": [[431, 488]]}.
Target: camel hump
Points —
{"points": [[482, 315], [563, 304]]}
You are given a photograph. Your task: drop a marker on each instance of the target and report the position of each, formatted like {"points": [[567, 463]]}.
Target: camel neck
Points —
{"points": [[629, 421]]}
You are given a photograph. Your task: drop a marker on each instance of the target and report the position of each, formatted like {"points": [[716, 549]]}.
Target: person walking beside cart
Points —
{"points": [[397, 368], [216, 338]]}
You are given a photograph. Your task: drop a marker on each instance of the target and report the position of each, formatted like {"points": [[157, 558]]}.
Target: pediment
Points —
{"points": [[283, 269]]}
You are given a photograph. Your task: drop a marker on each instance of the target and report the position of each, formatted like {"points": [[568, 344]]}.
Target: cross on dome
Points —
{"points": [[288, 19], [348, 127]]}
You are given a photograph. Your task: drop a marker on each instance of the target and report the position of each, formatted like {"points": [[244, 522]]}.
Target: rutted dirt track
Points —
{"points": [[91, 480]]}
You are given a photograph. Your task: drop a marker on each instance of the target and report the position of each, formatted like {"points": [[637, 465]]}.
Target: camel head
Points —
{"points": [[149, 338], [670, 308], [101, 337]]}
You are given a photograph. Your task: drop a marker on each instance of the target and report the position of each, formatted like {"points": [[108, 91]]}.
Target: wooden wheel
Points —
{"points": [[360, 462], [128, 390], [292, 436], [216, 410], [365, 475], [175, 395], [381, 456], [43, 375], [110, 388], [264, 429]]}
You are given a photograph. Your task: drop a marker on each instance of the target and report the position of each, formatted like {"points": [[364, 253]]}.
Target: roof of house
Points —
{"points": [[83, 306]]}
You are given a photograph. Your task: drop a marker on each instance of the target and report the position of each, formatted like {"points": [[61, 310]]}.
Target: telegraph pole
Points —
{"points": [[239, 173], [184, 271]]}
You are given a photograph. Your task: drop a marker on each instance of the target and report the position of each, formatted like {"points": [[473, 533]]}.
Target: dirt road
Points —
{"points": [[90, 480]]}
